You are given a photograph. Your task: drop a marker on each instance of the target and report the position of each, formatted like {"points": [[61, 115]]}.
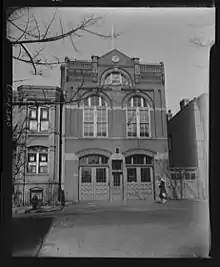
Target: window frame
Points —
{"points": [[95, 122], [37, 151], [137, 117], [39, 118]]}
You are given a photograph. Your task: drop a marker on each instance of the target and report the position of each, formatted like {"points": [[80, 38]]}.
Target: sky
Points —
{"points": [[152, 34]]}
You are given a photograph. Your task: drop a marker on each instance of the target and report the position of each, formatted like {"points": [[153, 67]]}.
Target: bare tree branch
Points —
{"points": [[31, 59]]}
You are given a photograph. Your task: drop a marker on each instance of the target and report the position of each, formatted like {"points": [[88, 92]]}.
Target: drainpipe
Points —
{"points": [[25, 156], [60, 151]]}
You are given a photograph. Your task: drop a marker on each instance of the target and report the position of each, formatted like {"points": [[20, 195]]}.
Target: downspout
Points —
{"points": [[60, 150], [25, 155]]}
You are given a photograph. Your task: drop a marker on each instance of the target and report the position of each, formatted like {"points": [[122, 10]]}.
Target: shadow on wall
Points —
{"points": [[27, 233]]}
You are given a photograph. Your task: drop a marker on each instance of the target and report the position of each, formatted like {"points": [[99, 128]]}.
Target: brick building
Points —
{"points": [[112, 130], [188, 147]]}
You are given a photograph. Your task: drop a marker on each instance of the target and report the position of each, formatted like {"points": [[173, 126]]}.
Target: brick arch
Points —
{"points": [[91, 151], [110, 70], [102, 94], [146, 152], [137, 93]]}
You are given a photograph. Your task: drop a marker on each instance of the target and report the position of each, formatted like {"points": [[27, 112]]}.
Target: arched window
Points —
{"points": [[95, 117], [138, 117], [37, 160], [116, 78]]}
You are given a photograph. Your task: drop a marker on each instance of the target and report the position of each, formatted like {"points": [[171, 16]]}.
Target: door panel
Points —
{"points": [[145, 183], [139, 183], [101, 184], [85, 184], [117, 186]]}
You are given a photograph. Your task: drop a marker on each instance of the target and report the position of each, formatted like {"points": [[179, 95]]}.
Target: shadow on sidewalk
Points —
{"points": [[27, 233]]}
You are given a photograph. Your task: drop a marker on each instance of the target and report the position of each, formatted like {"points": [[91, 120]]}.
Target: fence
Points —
{"points": [[185, 183]]}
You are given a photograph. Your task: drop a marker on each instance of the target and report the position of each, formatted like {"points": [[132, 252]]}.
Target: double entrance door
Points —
{"points": [[94, 183]]}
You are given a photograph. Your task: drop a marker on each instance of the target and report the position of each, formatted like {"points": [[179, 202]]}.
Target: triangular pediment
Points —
{"points": [[115, 57]]}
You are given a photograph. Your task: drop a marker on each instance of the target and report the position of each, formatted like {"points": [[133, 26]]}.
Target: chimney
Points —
{"points": [[183, 103], [169, 115]]}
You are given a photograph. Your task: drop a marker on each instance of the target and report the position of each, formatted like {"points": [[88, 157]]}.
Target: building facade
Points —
{"points": [[36, 143], [188, 148], [113, 128]]}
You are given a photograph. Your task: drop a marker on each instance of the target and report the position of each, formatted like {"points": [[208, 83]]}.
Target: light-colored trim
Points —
{"points": [[116, 138], [117, 108]]}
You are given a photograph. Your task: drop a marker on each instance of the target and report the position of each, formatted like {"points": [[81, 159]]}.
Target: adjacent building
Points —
{"points": [[188, 148], [36, 143]]}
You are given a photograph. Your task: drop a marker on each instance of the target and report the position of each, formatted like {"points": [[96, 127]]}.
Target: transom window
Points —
{"points": [[138, 117], [38, 118], [95, 117], [138, 160], [37, 160], [93, 160], [116, 78]]}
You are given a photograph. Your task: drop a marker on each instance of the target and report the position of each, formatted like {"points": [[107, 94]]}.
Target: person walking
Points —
{"points": [[163, 191]]}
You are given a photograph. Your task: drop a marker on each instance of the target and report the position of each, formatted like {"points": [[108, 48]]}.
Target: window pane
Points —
{"points": [[104, 160], [144, 116], [88, 129], [144, 129], [132, 116], [193, 176], [93, 159], [43, 157], [33, 125], [88, 115], [83, 160], [128, 160], [43, 169], [116, 179], [149, 160], [44, 125], [116, 164], [101, 129], [145, 175], [138, 159], [101, 175], [86, 175], [131, 175], [137, 101], [95, 100], [44, 113], [132, 129], [33, 113], [101, 115], [31, 157], [31, 168], [116, 78]]}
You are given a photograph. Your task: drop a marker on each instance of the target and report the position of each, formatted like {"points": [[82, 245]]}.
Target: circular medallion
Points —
{"points": [[115, 58]]}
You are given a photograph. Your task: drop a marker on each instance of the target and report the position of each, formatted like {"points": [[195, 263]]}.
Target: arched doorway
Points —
{"points": [[139, 180], [93, 177]]}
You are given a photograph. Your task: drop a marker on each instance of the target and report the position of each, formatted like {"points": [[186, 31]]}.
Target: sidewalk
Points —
{"points": [[28, 209]]}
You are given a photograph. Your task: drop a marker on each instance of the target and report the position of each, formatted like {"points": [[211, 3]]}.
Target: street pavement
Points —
{"points": [[132, 229]]}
